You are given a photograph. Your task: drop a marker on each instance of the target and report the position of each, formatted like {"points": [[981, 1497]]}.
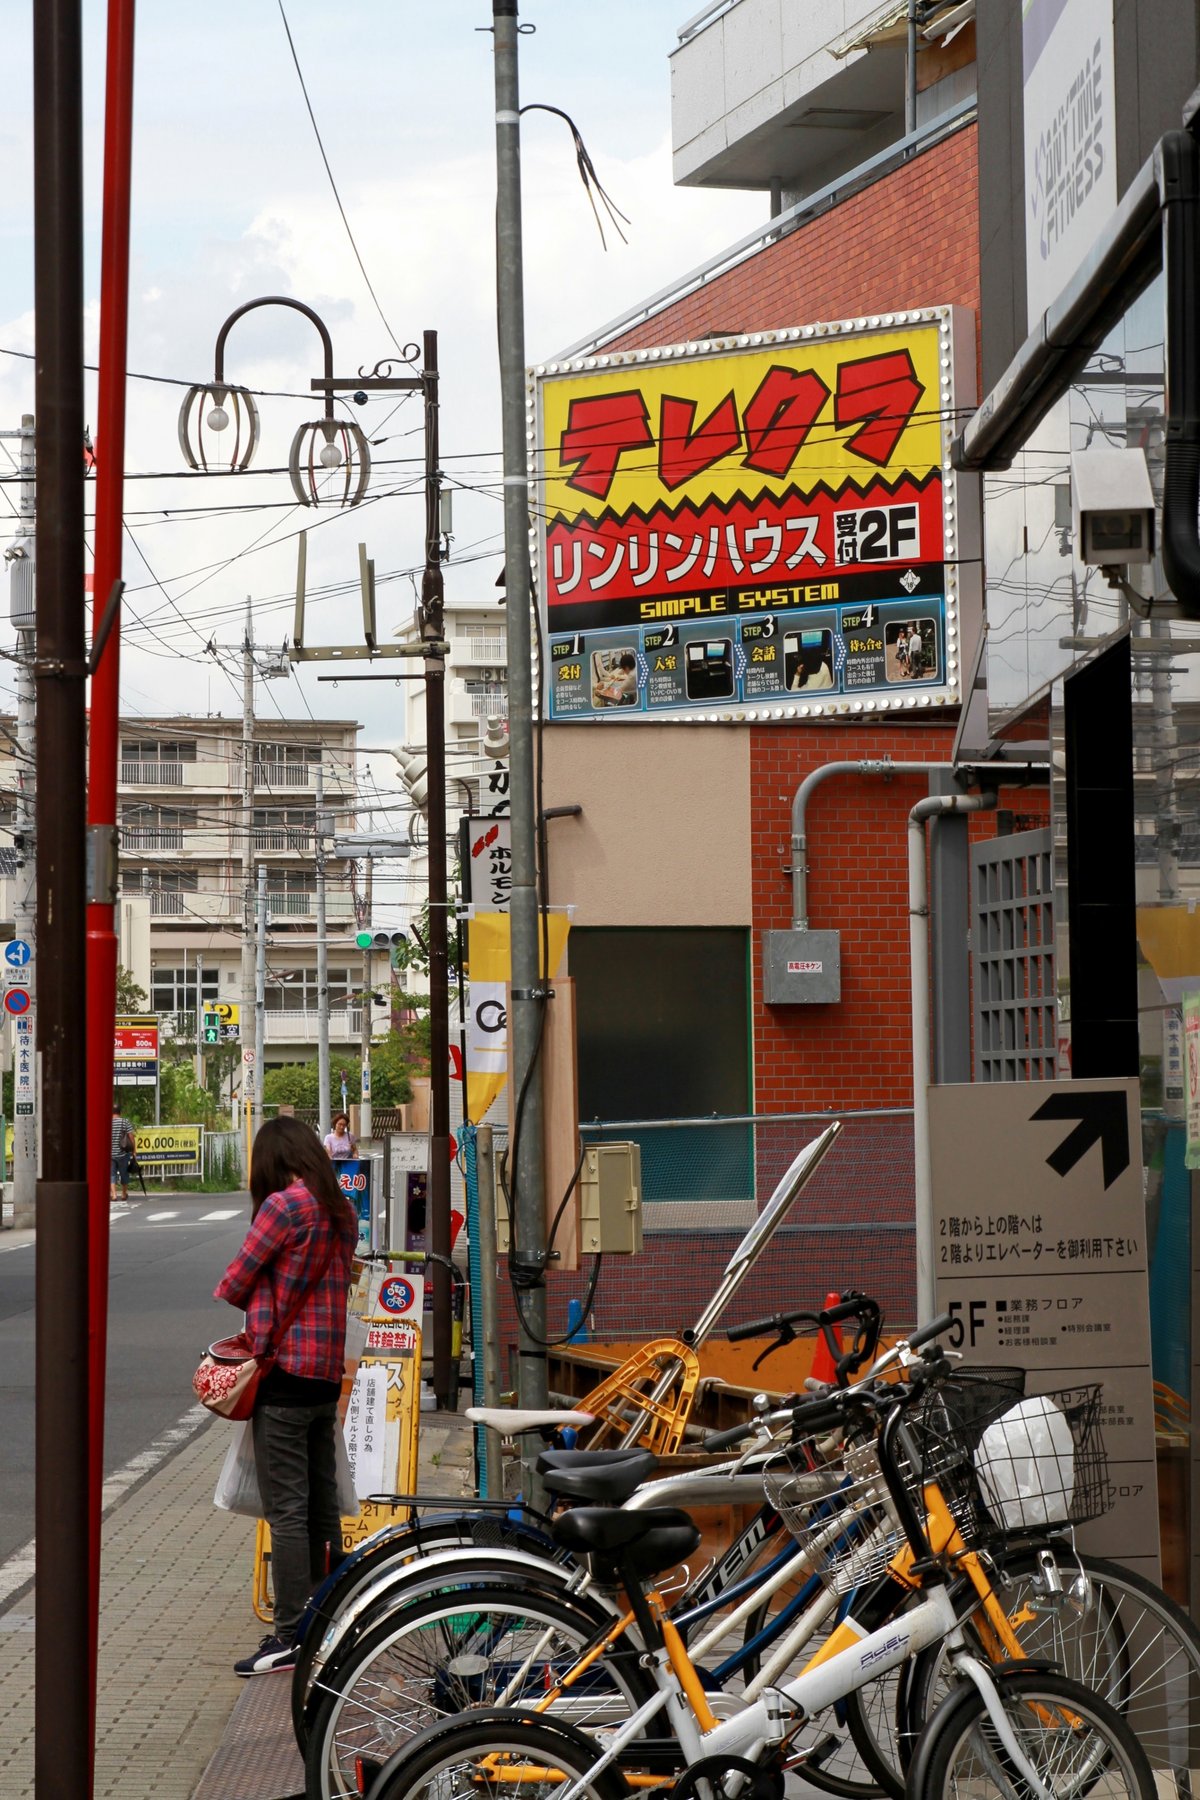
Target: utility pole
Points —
{"points": [[527, 1172], [323, 1097], [364, 1111], [23, 579], [260, 996], [247, 836], [199, 1019], [432, 629]]}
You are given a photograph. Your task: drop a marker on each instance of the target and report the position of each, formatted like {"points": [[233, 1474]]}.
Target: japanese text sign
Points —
{"points": [[767, 523], [135, 1051]]}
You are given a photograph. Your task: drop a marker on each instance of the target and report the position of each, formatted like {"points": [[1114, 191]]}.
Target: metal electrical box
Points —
{"points": [[802, 968], [610, 1201]]}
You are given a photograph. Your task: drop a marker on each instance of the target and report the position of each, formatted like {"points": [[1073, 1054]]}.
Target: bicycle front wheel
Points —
{"points": [[1076, 1744], [494, 1756]]}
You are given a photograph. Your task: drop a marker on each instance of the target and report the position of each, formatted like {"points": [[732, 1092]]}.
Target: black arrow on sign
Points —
{"points": [[1102, 1119]]}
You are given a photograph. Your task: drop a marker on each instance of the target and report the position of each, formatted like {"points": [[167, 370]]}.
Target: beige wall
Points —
{"points": [[665, 834]]}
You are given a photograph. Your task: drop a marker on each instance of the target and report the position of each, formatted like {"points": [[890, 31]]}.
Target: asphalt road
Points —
{"points": [[167, 1255]]}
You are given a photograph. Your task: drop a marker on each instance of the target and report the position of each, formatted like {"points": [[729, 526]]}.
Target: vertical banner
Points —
{"points": [[1191, 1051], [487, 1012], [1070, 139]]}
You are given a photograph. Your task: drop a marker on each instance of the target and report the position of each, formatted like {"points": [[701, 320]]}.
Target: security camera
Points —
{"points": [[1112, 506]]}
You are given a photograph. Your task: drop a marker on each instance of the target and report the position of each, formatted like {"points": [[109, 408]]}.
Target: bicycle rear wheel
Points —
{"points": [[1077, 1744], [494, 1756]]}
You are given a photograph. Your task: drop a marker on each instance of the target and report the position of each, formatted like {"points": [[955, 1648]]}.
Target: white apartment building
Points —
{"points": [[182, 871]]}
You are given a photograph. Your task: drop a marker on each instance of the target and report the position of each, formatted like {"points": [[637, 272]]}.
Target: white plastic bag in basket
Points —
{"points": [[1026, 1465]]}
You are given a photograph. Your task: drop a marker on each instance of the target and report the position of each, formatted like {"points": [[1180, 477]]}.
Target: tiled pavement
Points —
{"points": [[175, 1613]]}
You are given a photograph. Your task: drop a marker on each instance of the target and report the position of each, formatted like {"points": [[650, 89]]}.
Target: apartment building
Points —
{"points": [[183, 869]]}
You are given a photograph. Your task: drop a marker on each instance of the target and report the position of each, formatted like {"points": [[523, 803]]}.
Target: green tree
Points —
{"points": [[296, 1084], [130, 997], [391, 1071]]}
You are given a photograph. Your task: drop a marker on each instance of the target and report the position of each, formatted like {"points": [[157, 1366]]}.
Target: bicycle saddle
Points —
{"points": [[603, 1477], [638, 1543]]}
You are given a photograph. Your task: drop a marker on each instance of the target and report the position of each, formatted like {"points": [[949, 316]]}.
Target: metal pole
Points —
{"points": [[910, 85], [104, 739], [485, 1180], [950, 931], [199, 1019], [324, 1105], [527, 1179], [260, 995], [432, 614], [62, 1754], [247, 852], [25, 896], [364, 1110]]}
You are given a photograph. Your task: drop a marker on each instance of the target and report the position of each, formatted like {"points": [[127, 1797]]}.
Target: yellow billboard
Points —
{"points": [[755, 526]]}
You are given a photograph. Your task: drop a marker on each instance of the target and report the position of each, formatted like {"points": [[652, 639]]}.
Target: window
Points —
{"points": [[156, 827], [167, 888], [291, 893], [663, 1029], [287, 753], [158, 750], [283, 827], [173, 990], [295, 990], [489, 699]]}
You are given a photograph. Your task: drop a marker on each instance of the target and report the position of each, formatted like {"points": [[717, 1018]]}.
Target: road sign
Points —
{"points": [[18, 953], [247, 1056], [16, 1001]]}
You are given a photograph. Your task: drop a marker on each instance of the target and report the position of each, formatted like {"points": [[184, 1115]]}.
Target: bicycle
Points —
{"points": [[1007, 1732]]}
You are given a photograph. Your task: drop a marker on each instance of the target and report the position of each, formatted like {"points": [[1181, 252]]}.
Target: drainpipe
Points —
{"points": [[918, 932], [883, 766], [910, 86]]}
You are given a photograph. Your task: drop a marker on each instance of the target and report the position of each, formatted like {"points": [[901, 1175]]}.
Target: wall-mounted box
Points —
{"points": [[610, 1202], [802, 968]]}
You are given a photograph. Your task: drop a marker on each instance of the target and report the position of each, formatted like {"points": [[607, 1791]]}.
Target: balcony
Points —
{"points": [[192, 906], [301, 777], [301, 1027], [139, 773], [301, 908], [175, 840], [137, 837], [283, 838]]}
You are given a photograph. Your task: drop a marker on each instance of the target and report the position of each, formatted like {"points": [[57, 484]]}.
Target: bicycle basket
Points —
{"points": [[840, 1513], [942, 1430], [1044, 1463]]}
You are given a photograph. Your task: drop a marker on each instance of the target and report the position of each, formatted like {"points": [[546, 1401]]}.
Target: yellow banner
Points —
{"points": [[487, 1018]]}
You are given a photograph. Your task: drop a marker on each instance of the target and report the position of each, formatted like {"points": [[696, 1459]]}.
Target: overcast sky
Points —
{"points": [[231, 201]]}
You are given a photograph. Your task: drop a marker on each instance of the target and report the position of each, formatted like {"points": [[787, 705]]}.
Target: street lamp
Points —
{"points": [[319, 447]]}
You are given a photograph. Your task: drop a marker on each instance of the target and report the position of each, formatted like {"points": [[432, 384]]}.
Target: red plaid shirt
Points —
{"points": [[287, 1239]]}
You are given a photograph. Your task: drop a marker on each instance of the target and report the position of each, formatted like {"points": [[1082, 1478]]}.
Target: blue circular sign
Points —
{"points": [[18, 953], [397, 1295], [16, 1001]]}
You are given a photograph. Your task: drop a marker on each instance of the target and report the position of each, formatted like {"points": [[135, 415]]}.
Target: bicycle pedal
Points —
{"points": [[816, 1755]]}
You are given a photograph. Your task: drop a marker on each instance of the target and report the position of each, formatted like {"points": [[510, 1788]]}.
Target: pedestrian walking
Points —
{"points": [[122, 1154], [300, 1243], [341, 1142]]}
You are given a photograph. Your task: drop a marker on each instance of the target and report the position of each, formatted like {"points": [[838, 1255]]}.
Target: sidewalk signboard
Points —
{"points": [[176, 1147], [384, 1409], [135, 1050], [1041, 1261]]}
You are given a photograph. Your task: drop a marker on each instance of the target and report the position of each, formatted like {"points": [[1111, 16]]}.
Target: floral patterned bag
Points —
{"points": [[229, 1374]]}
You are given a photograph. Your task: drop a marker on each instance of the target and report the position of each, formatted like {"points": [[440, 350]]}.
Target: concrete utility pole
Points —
{"points": [[527, 1178], [364, 1111], [323, 1099], [260, 996], [25, 895], [247, 836]]}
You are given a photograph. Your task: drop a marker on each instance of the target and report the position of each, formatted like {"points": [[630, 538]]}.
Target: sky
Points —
{"points": [[231, 201]]}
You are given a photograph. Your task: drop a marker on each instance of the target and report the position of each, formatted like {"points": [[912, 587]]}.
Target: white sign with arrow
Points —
{"points": [[1041, 1258]]}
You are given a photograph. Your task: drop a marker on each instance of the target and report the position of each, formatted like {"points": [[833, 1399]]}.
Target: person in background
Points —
{"points": [[122, 1151], [301, 1239], [341, 1142]]}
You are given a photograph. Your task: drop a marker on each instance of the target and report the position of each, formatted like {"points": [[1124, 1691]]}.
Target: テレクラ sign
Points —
{"points": [[763, 527]]}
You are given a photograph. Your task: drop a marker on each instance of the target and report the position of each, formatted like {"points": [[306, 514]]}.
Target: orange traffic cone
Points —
{"points": [[824, 1368]]}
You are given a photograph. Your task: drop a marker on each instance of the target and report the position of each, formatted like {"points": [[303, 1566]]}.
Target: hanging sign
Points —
{"points": [[760, 527]]}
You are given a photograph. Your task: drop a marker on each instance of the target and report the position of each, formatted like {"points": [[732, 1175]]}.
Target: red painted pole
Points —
{"points": [[103, 747]]}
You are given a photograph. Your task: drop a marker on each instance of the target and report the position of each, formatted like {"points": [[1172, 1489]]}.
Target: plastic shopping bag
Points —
{"points": [[237, 1485], [1026, 1465]]}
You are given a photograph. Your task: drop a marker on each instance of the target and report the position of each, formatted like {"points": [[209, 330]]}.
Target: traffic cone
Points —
{"points": [[824, 1368]]}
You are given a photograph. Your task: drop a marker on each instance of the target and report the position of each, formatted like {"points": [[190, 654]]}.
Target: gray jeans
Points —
{"points": [[297, 1475]]}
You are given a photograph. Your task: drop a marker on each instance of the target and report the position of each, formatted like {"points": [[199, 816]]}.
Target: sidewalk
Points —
{"points": [[175, 1614]]}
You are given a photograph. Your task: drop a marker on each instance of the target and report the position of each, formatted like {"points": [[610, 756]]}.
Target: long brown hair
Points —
{"points": [[286, 1151]]}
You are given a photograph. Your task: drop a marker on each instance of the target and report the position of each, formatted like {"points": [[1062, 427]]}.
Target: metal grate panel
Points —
{"points": [[1012, 943]]}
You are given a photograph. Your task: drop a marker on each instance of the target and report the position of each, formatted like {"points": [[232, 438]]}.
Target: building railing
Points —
{"points": [[282, 837], [284, 1027], [169, 905], [152, 837], [144, 772]]}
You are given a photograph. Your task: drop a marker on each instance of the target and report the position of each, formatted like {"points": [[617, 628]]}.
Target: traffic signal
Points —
{"points": [[211, 1027], [414, 773]]}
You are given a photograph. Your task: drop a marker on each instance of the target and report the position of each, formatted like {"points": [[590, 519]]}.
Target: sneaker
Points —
{"points": [[271, 1654]]}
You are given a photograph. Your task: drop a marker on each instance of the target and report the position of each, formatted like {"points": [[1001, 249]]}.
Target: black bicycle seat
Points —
{"points": [[603, 1477], [640, 1543]]}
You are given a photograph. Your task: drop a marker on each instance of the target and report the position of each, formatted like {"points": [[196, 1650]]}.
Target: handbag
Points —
{"points": [[229, 1372]]}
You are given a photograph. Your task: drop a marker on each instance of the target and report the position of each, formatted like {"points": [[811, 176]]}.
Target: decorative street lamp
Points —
{"points": [[318, 448]]}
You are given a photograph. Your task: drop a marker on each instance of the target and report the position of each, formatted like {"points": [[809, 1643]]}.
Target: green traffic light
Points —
{"points": [[363, 940]]}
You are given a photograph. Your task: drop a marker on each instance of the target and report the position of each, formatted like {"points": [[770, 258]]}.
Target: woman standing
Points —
{"points": [[341, 1142], [300, 1243]]}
